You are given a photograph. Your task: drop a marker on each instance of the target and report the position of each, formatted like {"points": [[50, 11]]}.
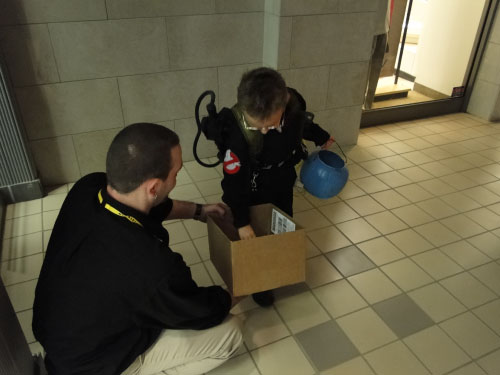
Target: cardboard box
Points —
{"points": [[266, 262]]}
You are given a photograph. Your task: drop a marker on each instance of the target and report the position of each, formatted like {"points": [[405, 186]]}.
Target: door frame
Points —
{"points": [[439, 107]]}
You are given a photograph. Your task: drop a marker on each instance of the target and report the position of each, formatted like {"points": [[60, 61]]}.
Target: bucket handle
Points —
{"points": [[340, 148]]}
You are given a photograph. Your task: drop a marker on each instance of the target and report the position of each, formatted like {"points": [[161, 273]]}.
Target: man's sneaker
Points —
{"points": [[264, 299]]}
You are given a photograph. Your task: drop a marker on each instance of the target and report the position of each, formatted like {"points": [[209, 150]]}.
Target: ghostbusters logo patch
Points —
{"points": [[231, 163]]}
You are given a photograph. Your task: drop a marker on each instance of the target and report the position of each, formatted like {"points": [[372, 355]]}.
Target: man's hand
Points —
{"points": [[246, 232], [216, 209], [328, 143]]}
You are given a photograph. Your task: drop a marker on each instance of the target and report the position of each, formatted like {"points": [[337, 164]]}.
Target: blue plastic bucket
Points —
{"points": [[324, 174]]}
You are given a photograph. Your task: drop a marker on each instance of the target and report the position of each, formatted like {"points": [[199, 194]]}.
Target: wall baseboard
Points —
{"points": [[25, 191]]}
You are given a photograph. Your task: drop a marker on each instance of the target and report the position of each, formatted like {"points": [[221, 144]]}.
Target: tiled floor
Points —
{"points": [[403, 266]]}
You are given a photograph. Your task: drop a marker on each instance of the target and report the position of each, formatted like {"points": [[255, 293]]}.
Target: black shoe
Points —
{"points": [[264, 299]]}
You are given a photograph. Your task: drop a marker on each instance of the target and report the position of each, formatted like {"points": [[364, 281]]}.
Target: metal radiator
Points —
{"points": [[18, 177]]}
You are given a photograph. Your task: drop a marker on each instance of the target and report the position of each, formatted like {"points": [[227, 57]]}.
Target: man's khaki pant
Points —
{"points": [[189, 352]]}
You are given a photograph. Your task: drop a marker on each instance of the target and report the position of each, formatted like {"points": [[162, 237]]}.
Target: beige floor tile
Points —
{"points": [[416, 174], [479, 176], [328, 239], [311, 249], [481, 195], [339, 212], [460, 202], [417, 157], [301, 204], [311, 219], [358, 230], [21, 246], [199, 173], [437, 302], [214, 274], [319, 271], [22, 225], [25, 318], [261, 327], [351, 190], [437, 169], [282, 357], [356, 366], [339, 298], [485, 217], [375, 166], [437, 208], [356, 171], [381, 251], [23, 209], [414, 193], [183, 177], [488, 243], [462, 226], [437, 264], [468, 290], [364, 205], [386, 222], [465, 254], [202, 246], [209, 187], [470, 369], [374, 286], [356, 325], [437, 153], [471, 334], [406, 274], [22, 295], [399, 147], [437, 234], [412, 215], [53, 202], [390, 199], [46, 238], [394, 179], [58, 189], [488, 274], [177, 232], [491, 362], [200, 275], [371, 184], [409, 242], [437, 187], [196, 229], [436, 350], [185, 192], [397, 162], [394, 358], [188, 252], [318, 202], [241, 364], [489, 314], [21, 269], [49, 219], [301, 311]]}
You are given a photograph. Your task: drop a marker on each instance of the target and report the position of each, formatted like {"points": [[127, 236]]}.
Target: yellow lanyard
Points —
{"points": [[110, 208]]}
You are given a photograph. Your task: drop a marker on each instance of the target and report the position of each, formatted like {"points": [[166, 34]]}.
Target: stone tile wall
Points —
{"points": [[83, 69]]}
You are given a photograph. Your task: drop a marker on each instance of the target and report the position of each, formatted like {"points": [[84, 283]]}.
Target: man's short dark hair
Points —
{"points": [[262, 92], [137, 153]]}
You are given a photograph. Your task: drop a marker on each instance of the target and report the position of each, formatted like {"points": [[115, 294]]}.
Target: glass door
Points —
{"points": [[430, 52]]}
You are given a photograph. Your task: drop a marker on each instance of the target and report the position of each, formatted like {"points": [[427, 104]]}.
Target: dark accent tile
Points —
{"points": [[291, 290], [327, 345], [350, 261], [403, 315]]}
